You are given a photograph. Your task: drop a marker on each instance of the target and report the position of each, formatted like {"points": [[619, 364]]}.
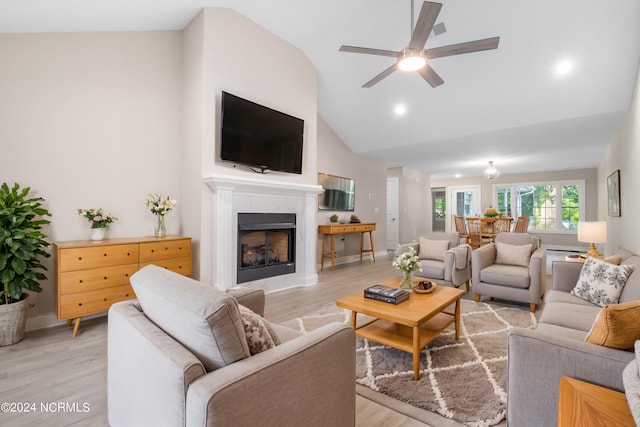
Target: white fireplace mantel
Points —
{"points": [[235, 194]]}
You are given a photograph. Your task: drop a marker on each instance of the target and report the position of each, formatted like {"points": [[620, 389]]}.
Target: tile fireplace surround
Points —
{"points": [[235, 194]]}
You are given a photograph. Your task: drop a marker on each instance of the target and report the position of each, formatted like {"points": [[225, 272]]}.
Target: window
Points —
{"points": [[555, 206]]}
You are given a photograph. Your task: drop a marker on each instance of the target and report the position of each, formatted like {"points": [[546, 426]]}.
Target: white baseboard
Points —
{"points": [[49, 320]]}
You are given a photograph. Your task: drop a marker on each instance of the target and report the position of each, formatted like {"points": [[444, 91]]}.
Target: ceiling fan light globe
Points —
{"points": [[411, 62]]}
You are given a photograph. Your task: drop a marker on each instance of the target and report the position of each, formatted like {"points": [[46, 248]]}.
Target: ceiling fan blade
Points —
{"points": [[460, 48], [430, 76], [428, 14], [381, 76], [369, 51]]}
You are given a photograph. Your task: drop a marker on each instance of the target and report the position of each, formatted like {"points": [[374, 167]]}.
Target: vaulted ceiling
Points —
{"points": [[508, 105]]}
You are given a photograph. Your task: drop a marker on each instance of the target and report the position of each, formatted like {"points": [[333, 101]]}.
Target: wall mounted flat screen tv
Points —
{"points": [[260, 137]]}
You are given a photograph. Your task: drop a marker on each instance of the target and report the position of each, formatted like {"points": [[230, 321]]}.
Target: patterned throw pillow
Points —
{"points": [[260, 335], [601, 283], [433, 249], [617, 326], [513, 254]]}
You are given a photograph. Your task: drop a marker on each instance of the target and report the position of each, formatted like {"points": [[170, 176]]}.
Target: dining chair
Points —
{"points": [[461, 227], [502, 225], [522, 224], [475, 231]]}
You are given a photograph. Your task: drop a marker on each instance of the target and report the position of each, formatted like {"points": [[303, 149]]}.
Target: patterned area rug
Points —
{"points": [[461, 380]]}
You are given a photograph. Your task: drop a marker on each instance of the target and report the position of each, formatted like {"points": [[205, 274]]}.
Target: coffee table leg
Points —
{"points": [[457, 319], [416, 353], [354, 314]]}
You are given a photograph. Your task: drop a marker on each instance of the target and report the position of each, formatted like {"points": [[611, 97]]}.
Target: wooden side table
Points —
{"points": [[330, 230], [589, 405]]}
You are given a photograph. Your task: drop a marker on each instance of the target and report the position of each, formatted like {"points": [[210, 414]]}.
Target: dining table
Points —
{"points": [[491, 226]]}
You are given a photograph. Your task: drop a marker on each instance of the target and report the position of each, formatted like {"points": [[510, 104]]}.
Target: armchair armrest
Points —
{"points": [[482, 258], [405, 247], [307, 381], [252, 298], [536, 361], [565, 275], [537, 271]]}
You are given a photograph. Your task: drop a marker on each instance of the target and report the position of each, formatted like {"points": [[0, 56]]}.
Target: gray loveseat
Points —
{"points": [[196, 370], [538, 358]]}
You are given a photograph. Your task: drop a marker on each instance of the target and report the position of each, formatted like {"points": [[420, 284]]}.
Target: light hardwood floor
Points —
{"points": [[48, 367]]}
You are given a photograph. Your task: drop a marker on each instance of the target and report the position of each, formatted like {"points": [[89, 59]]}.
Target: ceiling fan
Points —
{"points": [[415, 57]]}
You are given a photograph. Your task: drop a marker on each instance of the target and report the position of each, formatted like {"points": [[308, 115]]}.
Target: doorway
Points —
{"points": [[392, 213], [438, 209], [463, 201]]}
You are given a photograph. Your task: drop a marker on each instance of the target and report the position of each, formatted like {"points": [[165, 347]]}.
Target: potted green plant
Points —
{"points": [[22, 246], [333, 218]]}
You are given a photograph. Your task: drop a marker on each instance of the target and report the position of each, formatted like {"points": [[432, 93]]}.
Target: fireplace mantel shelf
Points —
{"points": [[260, 186]]}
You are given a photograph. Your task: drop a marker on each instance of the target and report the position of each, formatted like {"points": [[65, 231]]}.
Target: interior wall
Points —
{"points": [[335, 158], [415, 203], [281, 78], [91, 120], [623, 154], [590, 176]]}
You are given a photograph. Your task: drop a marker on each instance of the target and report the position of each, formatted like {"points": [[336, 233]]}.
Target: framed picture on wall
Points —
{"points": [[613, 193]]}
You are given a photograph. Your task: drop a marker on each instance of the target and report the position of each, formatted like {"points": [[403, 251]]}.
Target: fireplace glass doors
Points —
{"points": [[266, 245]]}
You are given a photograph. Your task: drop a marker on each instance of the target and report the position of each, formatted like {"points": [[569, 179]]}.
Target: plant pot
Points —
{"points": [[13, 319], [98, 233]]}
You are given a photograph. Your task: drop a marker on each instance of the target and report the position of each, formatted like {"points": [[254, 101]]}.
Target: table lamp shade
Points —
{"points": [[592, 232]]}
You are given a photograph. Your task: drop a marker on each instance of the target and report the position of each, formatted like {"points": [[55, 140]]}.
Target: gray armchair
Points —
{"points": [[158, 374], [445, 261], [510, 274]]}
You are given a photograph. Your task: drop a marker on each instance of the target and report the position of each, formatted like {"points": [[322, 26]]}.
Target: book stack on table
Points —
{"points": [[386, 294]]}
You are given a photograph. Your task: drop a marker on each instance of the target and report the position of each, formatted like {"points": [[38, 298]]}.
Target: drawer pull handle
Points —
{"points": [[105, 277], [80, 304], [105, 254], [152, 250], [126, 295], [126, 274], [80, 280], [79, 258], [166, 249], [105, 300], [128, 254]]}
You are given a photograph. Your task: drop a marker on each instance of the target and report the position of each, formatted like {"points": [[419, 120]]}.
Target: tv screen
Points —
{"points": [[260, 137]]}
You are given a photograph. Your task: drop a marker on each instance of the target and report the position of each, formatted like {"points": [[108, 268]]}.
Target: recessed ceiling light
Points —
{"points": [[400, 110], [564, 67], [458, 175]]}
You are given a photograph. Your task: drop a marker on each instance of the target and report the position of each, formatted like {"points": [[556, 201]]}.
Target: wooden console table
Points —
{"points": [[330, 230], [583, 404]]}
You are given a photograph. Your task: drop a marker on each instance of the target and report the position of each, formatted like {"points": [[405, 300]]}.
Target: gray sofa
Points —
{"points": [[191, 365], [538, 358], [450, 266]]}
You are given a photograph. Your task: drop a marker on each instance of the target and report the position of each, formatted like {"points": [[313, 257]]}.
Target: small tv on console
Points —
{"points": [[260, 137]]}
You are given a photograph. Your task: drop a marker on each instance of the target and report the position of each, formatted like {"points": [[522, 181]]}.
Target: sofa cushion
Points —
{"points": [[506, 275], [431, 268], [631, 291], [617, 326], [513, 254], [200, 317], [569, 315], [561, 331], [600, 282], [259, 333], [433, 249]]}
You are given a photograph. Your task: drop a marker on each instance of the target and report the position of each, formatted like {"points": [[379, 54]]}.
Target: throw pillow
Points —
{"points": [[600, 282], [617, 326], [433, 249], [513, 254], [613, 259], [259, 333]]}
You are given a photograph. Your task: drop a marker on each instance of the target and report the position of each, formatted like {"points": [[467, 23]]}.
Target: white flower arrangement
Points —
{"points": [[98, 218], [159, 205], [407, 261]]}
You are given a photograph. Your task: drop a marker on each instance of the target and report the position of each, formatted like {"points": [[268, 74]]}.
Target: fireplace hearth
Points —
{"points": [[266, 245]]}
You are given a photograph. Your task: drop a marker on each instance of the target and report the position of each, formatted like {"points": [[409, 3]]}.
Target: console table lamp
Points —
{"points": [[592, 232]]}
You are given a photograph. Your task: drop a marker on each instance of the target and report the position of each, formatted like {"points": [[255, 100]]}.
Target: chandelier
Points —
{"points": [[491, 171]]}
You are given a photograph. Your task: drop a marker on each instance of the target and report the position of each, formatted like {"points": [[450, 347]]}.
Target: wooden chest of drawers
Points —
{"points": [[90, 276]]}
